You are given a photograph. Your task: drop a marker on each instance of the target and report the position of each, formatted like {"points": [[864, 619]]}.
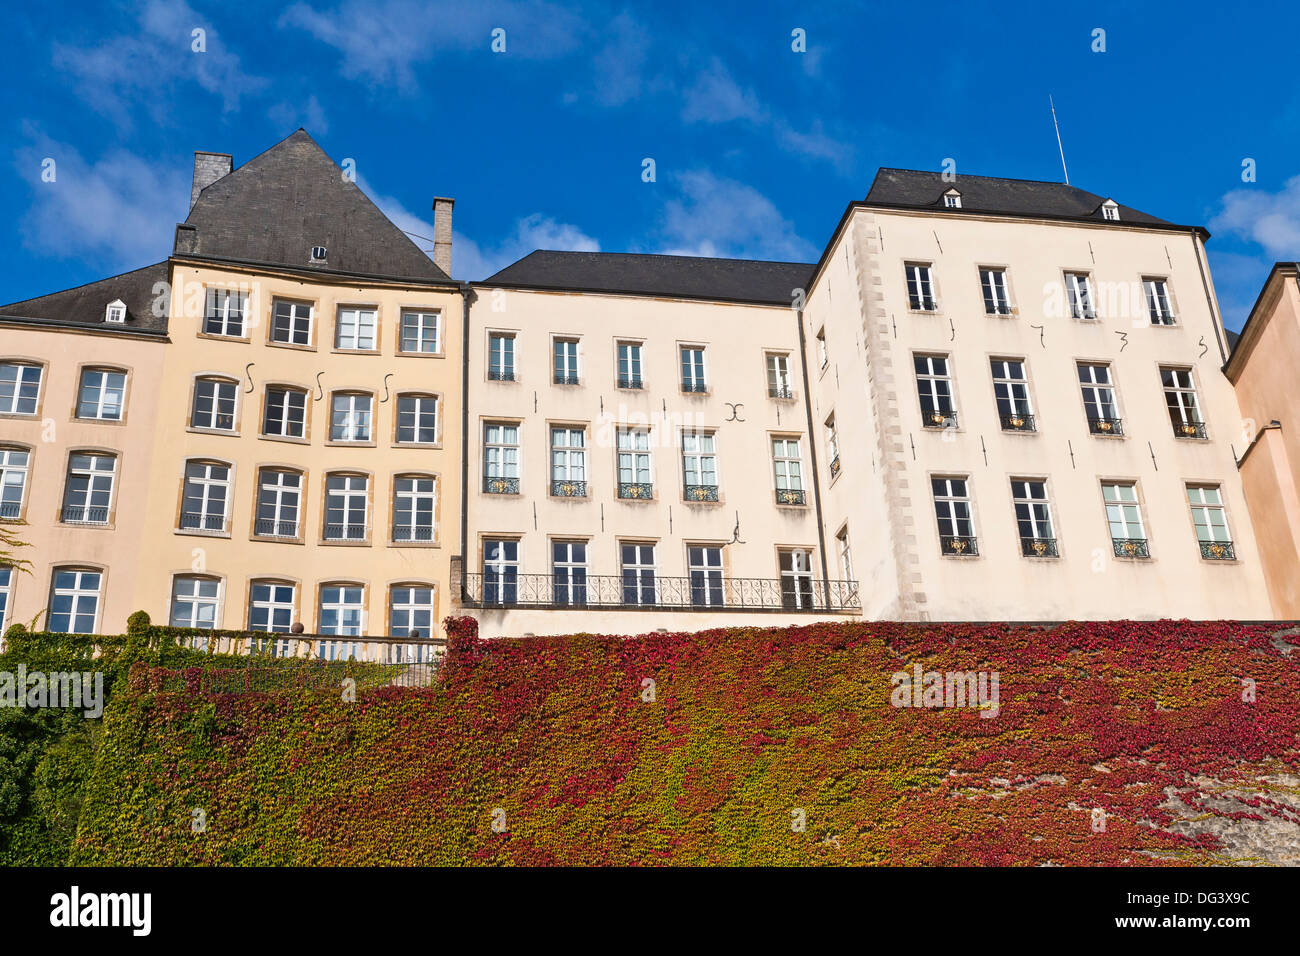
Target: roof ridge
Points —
{"points": [[1001, 179], [668, 255]]}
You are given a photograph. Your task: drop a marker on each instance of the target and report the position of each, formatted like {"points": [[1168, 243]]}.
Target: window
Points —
{"points": [[1211, 522], [20, 387], [993, 283], [787, 466], [417, 419], [568, 462], [1158, 307], [920, 288], [634, 464], [501, 357], [6, 584], [1011, 393], [796, 578], [102, 394], [88, 493], [934, 388], [347, 500], [291, 322], [194, 601], [693, 369], [279, 499], [1180, 398], [224, 314], [501, 459], [952, 199], [1033, 518], [422, 332], [704, 563], [342, 612], [629, 365], [638, 565], [823, 356], [415, 505], [74, 601], [214, 404], [778, 376], [285, 414], [1099, 399], [500, 571], [699, 466], [1078, 289], [350, 416], [1109, 210], [115, 312], [355, 329], [1127, 535], [204, 497], [569, 572], [833, 445], [952, 510], [13, 481], [566, 361], [846, 554], [410, 611], [270, 607]]}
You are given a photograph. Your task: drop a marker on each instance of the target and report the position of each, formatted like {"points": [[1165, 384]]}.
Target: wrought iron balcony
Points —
{"points": [[701, 493], [630, 381], [11, 509], [1189, 430], [835, 466], [1218, 551], [1113, 427], [498, 485], [923, 303], [1039, 548], [636, 490], [1131, 547], [77, 514], [563, 379], [638, 593], [791, 496], [1018, 422], [780, 391], [939, 419], [568, 488], [346, 532], [501, 374], [1001, 308], [413, 532], [1087, 314], [959, 544], [694, 387], [196, 521], [271, 528]]}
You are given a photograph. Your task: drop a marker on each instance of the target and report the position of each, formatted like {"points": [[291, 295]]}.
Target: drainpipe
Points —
{"points": [[812, 451], [1209, 300], [467, 296]]}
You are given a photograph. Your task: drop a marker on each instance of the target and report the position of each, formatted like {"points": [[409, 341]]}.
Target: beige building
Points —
{"points": [[1262, 367], [639, 448], [1024, 384]]}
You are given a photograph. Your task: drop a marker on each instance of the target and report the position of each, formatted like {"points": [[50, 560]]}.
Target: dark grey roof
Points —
{"points": [[85, 305], [278, 205], [689, 277], [1017, 197], [1233, 339]]}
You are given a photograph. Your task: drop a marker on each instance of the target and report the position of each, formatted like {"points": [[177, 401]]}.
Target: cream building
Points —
{"points": [[1024, 384]]}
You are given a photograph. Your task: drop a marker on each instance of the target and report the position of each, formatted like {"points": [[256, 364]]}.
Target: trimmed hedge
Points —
{"points": [[550, 751]]}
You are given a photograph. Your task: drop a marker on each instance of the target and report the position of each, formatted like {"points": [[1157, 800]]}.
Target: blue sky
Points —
{"points": [[757, 148]]}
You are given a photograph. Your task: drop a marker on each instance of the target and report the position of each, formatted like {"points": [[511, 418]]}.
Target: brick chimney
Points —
{"points": [[208, 168], [442, 233]]}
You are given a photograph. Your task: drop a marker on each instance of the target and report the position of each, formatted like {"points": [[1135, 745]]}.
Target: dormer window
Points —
{"points": [[317, 254], [116, 312], [952, 199], [1110, 210]]}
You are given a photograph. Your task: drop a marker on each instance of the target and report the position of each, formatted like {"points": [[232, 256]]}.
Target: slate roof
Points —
{"points": [[687, 277], [281, 203], [85, 304], [1018, 197]]}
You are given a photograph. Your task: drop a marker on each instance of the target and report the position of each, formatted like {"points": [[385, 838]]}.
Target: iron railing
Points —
{"points": [[501, 374], [939, 419], [999, 308], [922, 303], [635, 592], [568, 488], [835, 466], [1131, 547], [11, 509], [1218, 551], [562, 378], [1039, 548], [346, 532], [694, 387], [76, 514], [413, 532], [272, 528], [701, 493], [636, 490], [780, 391], [196, 521], [495, 485], [791, 496], [1106, 426], [630, 381], [1189, 430], [1018, 422], [959, 544]]}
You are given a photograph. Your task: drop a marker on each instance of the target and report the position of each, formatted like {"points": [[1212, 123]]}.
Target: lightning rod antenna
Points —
{"points": [[1058, 140]]}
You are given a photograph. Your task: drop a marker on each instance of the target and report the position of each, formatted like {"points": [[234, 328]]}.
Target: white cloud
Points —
{"points": [[712, 216], [290, 115], [1270, 219], [119, 209]]}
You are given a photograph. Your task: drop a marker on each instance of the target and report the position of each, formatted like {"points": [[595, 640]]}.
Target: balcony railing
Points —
{"points": [[77, 514], [1113, 427], [346, 532], [195, 521], [568, 488], [780, 391], [959, 544], [1218, 551], [701, 493], [498, 485], [11, 509], [1039, 548], [413, 532], [501, 374], [630, 381], [922, 303], [637, 593], [1018, 422], [1131, 547], [939, 419], [271, 528], [694, 387], [791, 496], [562, 378], [636, 490], [1189, 430], [835, 466], [1000, 308]]}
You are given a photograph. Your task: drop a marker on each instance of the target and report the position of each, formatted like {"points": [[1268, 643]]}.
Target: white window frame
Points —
{"points": [[357, 422], [779, 381], [700, 459], [565, 350], [421, 333], [787, 463], [713, 584], [1078, 291], [1202, 507], [409, 607], [639, 568], [196, 600], [796, 580], [996, 290], [220, 393], [502, 354], [273, 602], [928, 391], [205, 485], [95, 478], [356, 328], [1101, 390], [501, 573], [697, 366], [630, 374], [1116, 513], [1160, 306], [349, 606], [285, 420], [1032, 511], [224, 312], [951, 495], [634, 456], [297, 322], [846, 553], [275, 493], [79, 591], [1181, 398], [12, 399], [501, 450], [569, 571], [13, 474], [415, 496], [418, 415], [347, 494], [920, 287], [112, 381], [568, 453]]}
